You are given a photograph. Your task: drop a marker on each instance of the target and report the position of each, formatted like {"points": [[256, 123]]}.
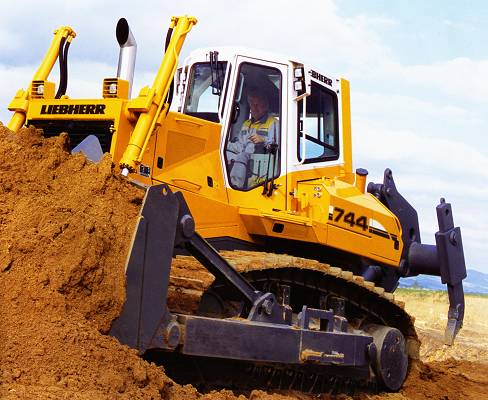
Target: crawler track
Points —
{"points": [[309, 282]]}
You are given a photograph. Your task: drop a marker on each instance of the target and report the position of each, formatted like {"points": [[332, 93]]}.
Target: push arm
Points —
{"points": [[162, 83]]}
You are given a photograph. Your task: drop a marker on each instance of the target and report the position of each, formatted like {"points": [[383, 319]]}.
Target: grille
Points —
{"points": [[78, 130]]}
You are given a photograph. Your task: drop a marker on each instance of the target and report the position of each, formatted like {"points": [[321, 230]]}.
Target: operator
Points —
{"points": [[256, 134]]}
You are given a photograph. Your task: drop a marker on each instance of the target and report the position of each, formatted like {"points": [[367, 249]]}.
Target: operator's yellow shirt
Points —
{"points": [[267, 127]]}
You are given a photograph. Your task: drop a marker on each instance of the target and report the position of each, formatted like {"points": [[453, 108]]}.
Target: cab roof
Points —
{"points": [[227, 53]]}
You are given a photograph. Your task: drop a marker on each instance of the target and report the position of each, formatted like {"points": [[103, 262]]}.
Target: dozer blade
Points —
{"points": [[147, 272], [90, 147]]}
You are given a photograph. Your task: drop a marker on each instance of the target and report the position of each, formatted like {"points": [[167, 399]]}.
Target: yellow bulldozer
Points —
{"points": [[248, 151]]}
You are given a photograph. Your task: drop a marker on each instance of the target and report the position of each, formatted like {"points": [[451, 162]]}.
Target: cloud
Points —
{"points": [[273, 25], [460, 78], [9, 40], [408, 106], [460, 26], [417, 152]]}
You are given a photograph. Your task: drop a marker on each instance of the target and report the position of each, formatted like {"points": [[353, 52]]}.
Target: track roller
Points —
{"points": [[391, 359]]}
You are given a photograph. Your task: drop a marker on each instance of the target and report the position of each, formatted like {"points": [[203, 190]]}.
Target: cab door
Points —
{"points": [[254, 140]]}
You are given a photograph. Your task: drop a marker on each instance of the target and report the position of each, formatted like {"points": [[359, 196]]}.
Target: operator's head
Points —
{"points": [[258, 103]]}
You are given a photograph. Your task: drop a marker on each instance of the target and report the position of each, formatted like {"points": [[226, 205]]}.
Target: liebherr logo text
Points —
{"points": [[73, 109], [320, 77]]}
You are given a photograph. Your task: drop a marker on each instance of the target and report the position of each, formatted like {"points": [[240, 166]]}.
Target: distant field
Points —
{"points": [[430, 310]]}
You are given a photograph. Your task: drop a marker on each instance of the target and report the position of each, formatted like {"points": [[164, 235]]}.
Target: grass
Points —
{"points": [[427, 293], [430, 308]]}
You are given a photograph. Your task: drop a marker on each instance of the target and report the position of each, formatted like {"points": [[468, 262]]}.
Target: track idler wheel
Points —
{"points": [[391, 359]]}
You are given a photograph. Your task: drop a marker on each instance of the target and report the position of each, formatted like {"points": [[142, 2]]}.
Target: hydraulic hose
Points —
{"points": [[168, 38], [63, 68], [169, 99]]}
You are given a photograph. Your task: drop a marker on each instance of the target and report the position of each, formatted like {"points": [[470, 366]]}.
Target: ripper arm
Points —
{"points": [[444, 259]]}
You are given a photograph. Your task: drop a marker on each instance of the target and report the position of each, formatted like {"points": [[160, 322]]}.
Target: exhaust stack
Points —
{"points": [[127, 55]]}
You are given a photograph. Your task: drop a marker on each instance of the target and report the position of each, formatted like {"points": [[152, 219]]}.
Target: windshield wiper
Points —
{"points": [[216, 70]]}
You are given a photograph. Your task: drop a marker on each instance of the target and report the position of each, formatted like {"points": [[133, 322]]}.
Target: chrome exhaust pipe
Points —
{"points": [[127, 55]]}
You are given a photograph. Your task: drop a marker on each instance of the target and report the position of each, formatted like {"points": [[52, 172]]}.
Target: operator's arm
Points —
{"points": [[272, 134], [240, 144]]}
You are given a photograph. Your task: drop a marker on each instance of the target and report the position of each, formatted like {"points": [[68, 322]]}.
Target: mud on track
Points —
{"points": [[65, 227]]}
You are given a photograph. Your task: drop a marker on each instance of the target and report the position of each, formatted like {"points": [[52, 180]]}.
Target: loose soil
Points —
{"points": [[65, 227]]}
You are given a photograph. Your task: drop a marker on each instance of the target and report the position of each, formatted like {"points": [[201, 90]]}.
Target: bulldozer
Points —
{"points": [[304, 296]]}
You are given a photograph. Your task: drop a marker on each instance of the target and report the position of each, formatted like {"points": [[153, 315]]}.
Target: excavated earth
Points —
{"points": [[65, 228]]}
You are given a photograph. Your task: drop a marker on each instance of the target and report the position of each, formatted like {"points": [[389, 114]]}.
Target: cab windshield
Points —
{"points": [[205, 90]]}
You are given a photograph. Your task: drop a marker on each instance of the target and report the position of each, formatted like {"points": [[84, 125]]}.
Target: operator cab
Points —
{"points": [[300, 130]]}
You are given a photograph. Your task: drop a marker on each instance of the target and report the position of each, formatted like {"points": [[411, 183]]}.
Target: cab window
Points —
{"points": [[318, 129], [252, 151], [204, 90]]}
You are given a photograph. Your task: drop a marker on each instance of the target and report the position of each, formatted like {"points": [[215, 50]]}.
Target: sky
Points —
{"points": [[418, 73]]}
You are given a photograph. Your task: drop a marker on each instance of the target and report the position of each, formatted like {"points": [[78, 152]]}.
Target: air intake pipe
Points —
{"points": [[128, 50]]}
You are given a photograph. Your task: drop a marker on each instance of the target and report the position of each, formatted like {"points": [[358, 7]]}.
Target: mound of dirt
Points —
{"points": [[65, 225], [65, 228]]}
